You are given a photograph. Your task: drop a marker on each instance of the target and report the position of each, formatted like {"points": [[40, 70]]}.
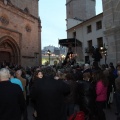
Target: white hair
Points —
{"points": [[4, 74], [86, 66]]}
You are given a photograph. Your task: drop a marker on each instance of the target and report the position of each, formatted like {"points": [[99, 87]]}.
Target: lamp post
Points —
{"points": [[62, 58], [49, 53], [104, 52], [75, 41]]}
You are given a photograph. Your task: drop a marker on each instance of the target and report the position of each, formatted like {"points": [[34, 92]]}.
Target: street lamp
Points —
{"points": [[62, 57], [49, 53], [104, 52]]}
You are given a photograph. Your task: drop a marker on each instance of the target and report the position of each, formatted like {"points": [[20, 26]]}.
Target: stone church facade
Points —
{"points": [[20, 32]]}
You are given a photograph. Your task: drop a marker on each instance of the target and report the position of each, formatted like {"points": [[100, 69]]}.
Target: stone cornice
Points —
{"points": [[10, 30]]}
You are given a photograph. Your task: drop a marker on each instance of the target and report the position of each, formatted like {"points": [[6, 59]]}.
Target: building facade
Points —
{"points": [[86, 9], [20, 32], [100, 31], [111, 18], [89, 33]]}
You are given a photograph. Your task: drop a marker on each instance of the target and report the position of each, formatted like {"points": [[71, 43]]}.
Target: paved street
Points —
{"points": [[110, 113]]}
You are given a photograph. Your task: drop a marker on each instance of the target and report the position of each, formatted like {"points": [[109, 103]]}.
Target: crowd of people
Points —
{"points": [[56, 94]]}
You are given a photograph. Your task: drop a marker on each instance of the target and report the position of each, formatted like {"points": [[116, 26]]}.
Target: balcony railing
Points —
{"points": [[89, 50]]}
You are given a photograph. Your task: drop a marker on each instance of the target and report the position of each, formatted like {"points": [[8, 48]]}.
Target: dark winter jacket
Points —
{"points": [[12, 102], [49, 96], [87, 96]]}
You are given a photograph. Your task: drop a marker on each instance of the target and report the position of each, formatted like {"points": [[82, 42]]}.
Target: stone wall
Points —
{"points": [[31, 5], [111, 17], [82, 9]]}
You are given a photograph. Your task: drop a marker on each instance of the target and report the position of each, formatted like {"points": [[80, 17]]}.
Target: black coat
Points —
{"points": [[49, 94], [12, 102], [87, 96]]}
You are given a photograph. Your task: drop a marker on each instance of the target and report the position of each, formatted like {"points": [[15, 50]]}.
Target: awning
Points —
{"points": [[70, 42]]}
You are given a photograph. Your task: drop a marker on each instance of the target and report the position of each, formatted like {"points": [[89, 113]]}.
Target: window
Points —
{"points": [[100, 42], [89, 29], [74, 34], [90, 44], [98, 25]]}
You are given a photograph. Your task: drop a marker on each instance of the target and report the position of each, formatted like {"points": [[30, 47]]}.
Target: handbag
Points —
{"points": [[77, 116]]}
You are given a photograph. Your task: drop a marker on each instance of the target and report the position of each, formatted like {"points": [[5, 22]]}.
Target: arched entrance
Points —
{"points": [[9, 50]]}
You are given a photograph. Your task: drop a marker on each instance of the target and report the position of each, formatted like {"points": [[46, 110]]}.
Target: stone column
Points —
{"points": [[39, 42], [111, 20]]}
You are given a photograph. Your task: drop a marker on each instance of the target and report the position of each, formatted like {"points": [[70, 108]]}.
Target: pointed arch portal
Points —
{"points": [[9, 50]]}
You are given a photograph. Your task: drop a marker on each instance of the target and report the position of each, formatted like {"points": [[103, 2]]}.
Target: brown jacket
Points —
{"points": [[24, 84]]}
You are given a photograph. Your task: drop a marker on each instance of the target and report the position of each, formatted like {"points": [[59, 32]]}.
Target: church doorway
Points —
{"points": [[9, 51], [4, 57]]}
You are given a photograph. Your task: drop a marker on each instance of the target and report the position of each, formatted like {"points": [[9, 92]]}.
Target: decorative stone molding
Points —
{"points": [[5, 2], [26, 10], [4, 20], [28, 28], [28, 57]]}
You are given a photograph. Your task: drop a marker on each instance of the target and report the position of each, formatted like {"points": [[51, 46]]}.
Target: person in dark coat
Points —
{"points": [[87, 96], [49, 94], [71, 99], [12, 102]]}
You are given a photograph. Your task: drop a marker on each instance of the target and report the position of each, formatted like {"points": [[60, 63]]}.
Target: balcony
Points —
{"points": [[89, 50]]}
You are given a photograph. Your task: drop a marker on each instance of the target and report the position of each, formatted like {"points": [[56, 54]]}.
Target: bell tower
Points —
{"points": [[80, 9]]}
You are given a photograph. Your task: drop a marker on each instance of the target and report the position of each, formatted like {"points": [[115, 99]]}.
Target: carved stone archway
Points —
{"points": [[9, 50]]}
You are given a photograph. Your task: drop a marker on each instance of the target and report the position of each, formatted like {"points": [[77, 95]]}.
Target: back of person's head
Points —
{"points": [[103, 67], [118, 72], [78, 75], [86, 66], [48, 71], [118, 67], [111, 64], [106, 72], [4, 74], [100, 75], [12, 73], [69, 76], [86, 76], [95, 64], [118, 63]]}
